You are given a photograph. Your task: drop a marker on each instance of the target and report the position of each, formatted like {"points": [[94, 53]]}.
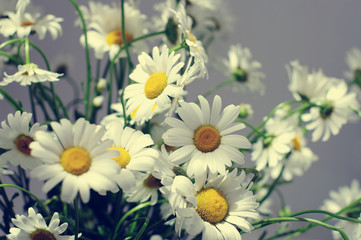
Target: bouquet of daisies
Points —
{"points": [[134, 158]]}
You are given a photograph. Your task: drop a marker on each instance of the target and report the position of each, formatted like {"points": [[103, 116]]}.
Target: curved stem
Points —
{"points": [[273, 186], [11, 100], [9, 56], [76, 200], [12, 41], [130, 64], [218, 86]]}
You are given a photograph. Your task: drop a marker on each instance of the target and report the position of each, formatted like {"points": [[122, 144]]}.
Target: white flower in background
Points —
{"points": [[22, 24], [270, 149], [93, 12], [28, 74], [218, 208], [211, 4], [134, 153], [16, 137], [105, 31], [206, 137], [76, 157], [353, 60], [332, 112], [195, 46], [305, 85], [244, 70], [339, 200], [34, 227], [155, 82]]}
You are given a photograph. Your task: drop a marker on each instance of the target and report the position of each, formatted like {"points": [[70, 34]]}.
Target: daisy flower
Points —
{"points": [[28, 74], [134, 153], [16, 136], [274, 145], [331, 113], [155, 82], [339, 200], [353, 60], [76, 156], [217, 208], [22, 24], [206, 137], [34, 227], [105, 31], [244, 70]]}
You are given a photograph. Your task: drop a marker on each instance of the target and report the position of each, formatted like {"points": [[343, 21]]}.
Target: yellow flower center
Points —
{"points": [[124, 157], [152, 182], [212, 206], [296, 144], [207, 138], [75, 160], [22, 143], [155, 85], [42, 234], [116, 37]]}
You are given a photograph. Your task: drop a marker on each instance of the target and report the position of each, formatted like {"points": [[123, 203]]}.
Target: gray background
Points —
{"points": [[316, 32]]}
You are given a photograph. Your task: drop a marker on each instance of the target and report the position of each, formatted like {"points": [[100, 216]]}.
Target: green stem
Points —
{"points": [[334, 215], [176, 48], [218, 86], [130, 64], [9, 205], [10, 42], [9, 56], [273, 186], [248, 125], [76, 200], [11, 100], [27, 51], [87, 57]]}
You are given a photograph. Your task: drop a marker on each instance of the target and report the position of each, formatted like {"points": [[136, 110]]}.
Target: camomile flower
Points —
{"points": [[105, 31], [28, 74], [353, 60], [34, 227], [134, 153], [271, 148], [206, 137], [217, 208], [75, 156], [155, 82], [16, 136], [22, 24], [245, 71], [339, 200], [332, 112]]}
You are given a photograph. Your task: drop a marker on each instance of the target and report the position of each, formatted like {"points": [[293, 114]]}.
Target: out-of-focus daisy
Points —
{"points": [[195, 46], [244, 70], [24, 23], [75, 157], [155, 82], [332, 112], [92, 12], [28, 74], [134, 153], [353, 60], [218, 208], [339, 200], [305, 85], [273, 146], [206, 137], [105, 34], [34, 227], [16, 137]]}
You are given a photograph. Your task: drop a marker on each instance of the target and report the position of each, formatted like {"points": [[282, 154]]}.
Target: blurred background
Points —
{"points": [[316, 32]]}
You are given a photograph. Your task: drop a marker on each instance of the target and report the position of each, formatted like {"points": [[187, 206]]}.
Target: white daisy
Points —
{"points": [[76, 156], [218, 208], [28, 74], [135, 153], [105, 31], [24, 23], [339, 200], [331, 113], [16, 137], [155, 82], [206, 137], [34, 227], [353, 60], [244, 70], [272, 147]]}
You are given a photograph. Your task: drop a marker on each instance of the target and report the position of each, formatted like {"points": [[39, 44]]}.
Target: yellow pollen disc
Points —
{"points": [[212, 206], [22, 143], [124, 157], [152, 182], [132, 114], [27, 23], [296, 144], [42, 234], [207, 138], [116, 37], [155, 85], [75, 160]]}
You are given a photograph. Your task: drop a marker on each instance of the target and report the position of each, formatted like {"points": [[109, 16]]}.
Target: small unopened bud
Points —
{"points": [[285, 211], [98, 101], [246, 111], [102, 84]]}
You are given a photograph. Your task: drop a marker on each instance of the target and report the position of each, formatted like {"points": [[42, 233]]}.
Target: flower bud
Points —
{"points": [[98, 101], [102, 84]]}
